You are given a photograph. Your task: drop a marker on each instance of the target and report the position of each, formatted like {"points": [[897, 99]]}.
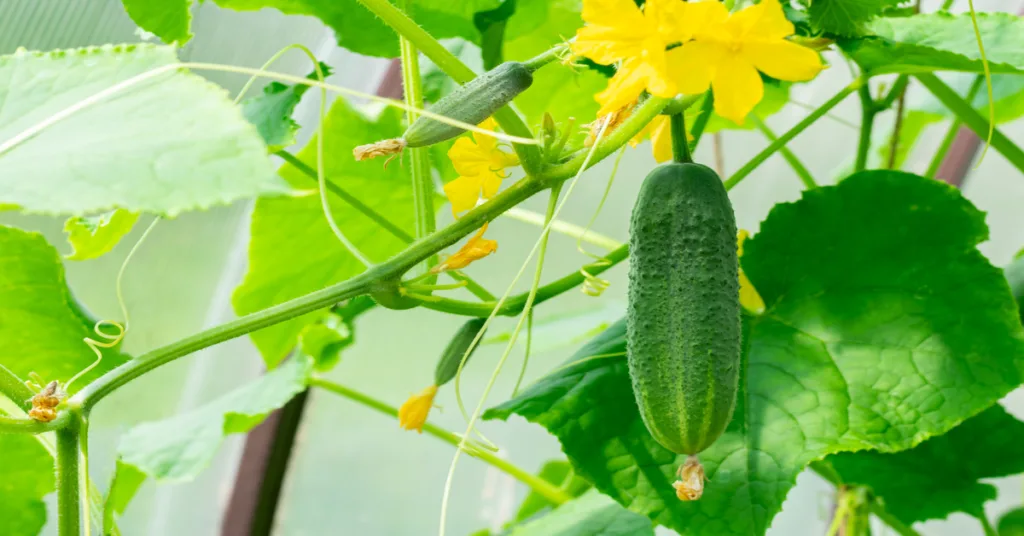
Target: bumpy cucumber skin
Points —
{"points": [[471, 103], [448, 364], [683, 321]]}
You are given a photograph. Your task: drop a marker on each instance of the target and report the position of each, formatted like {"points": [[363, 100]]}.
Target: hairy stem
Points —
{"points": [[894, 143], [794, 162], [825, 470], [545, 57], [867, 124], [750, 166], [404, 26], [548, 490], [69, 521]]}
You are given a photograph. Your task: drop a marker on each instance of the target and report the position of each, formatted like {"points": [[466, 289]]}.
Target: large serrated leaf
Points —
{"points": [[591, 514], [170, 20], [943, 474], [845, 17], [884, 326], [26, 476], [939, 42], [168, 144]]}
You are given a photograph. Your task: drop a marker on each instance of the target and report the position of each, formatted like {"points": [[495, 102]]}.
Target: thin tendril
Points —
{"points": [[526, 354], [593, 285], [103, 340], [515, 333], [988, 84]]}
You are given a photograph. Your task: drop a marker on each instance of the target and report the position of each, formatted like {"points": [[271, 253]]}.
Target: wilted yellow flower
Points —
{"points": [[480, 164], [749, 298], [475, 248], [413, 413], [728, 50], [690, 485]]}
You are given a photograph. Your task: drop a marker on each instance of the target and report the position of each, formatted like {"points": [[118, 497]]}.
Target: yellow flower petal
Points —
{"points": [[693, 65], [749, 297], [784, 60], [624, 88], [413, 413], [765, 20], [615, 30], [475, 248], [698, 18], [464, 193], [661, 140], [737, 87]]}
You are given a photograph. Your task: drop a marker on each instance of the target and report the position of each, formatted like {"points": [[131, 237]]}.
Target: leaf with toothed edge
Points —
{"points": [[884, 326]]}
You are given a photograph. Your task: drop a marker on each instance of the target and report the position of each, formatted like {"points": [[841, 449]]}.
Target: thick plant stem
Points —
{"points": [[970, 117], [825, 470], [867, 124], [680, 147], [545, 57], [543, 487], [69, 521], [794, 162], [419, 160], [404, 26], [363, 283], [750, 166]]}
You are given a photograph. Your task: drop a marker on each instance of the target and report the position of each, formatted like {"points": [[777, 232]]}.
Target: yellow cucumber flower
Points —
{"points": [[480, 164], [618, 31], [749, 298], [413, 413], [475, 248], [728, 50]]}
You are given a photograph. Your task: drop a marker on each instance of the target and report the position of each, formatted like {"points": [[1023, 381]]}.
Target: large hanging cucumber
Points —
{"points": [[471, 104], [683, 322]]}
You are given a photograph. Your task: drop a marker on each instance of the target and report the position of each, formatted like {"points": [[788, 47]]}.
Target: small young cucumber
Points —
{"points": [[448, 364], [683, 320], [471, 103]]}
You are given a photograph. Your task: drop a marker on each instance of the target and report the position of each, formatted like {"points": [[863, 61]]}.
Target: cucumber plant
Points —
{"points": [[859, 333]]}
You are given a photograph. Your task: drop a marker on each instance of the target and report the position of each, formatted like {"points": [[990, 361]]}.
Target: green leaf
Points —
{"points": [[360, 31], [1007, 92], [939, 42], [42, 329], [123, 486], [94, 236], [293, 252], [941, 475], [171, 143], [845, 17], [876, 336], [27, 471], [536, 27], [1012, 523], [167, 19], [179, 448], [593, 514], [559, 473], [566, 329], [272, 111]]}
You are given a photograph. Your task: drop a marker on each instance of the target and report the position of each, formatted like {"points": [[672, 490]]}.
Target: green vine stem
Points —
{"points": [[550, 492], [69, 521], [970, 117], [419, 160], [361, 284], [818, 113], [12, 387], [404, 26], [546, 57], [825, 470], [867, 124], [13, 425], [794, 162], [680, 147]]}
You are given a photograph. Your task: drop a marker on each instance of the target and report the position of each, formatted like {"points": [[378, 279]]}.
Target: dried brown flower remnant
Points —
{"points": [[690, 485], [45, 403], [380, 148]]}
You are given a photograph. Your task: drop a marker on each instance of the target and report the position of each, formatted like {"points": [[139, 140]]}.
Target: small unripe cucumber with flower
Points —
{"points": [[471, 104], [683, 320]]}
